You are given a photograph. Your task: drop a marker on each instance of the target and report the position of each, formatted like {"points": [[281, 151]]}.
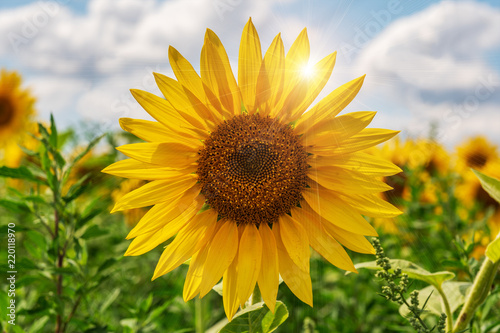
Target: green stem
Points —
{"points": [[477, 295], [198, 313], [447, 309], [256, 295]]}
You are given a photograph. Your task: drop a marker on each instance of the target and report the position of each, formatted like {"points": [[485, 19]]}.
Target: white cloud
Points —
{"points": [[81, 66], [433, 64], [87, 62]]}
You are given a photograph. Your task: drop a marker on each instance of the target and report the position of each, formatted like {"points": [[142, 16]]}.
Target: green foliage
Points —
{"points": [[490, 185], [95, 289], [256, 318]]}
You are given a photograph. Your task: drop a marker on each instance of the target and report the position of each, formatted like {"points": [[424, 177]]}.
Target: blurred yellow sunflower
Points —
{"points": [[126, 186], [16, 108], [245, 178], [476, 153]]}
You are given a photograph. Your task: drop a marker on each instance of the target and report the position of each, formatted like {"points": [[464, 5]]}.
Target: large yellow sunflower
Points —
{"points": [[248, 180], [16, 107]]}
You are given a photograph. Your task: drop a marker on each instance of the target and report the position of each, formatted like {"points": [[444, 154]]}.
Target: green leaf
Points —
{"points": [[414, 271], [493, 250], [76, 189], [39, 324], [87, 217], [53, 132], [490, 185], [20, 173], [44, 132], [87, 149], [455, 293], [94, 231], [256, 318], [44, 159], [14, 206], [110, 298]]}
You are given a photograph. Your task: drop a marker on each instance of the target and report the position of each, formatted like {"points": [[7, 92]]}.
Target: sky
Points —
{"points": [[427, 63]]}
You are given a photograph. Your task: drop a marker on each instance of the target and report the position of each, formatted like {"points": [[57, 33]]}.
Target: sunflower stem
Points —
{"points": [[480, 289], [447, 309], [256, 295], [198, 313]]}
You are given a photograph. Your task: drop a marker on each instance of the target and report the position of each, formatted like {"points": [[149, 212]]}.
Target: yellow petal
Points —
{"points": [[168, 154], [249, 62], [354, 242], [230, 290], [249, 261], [295, 241], [359, 161], [190, 108], [176, 211], [271, 76], [330, 106], [187, 76], [306, 91], [350, 240], [157, 191], [371, 205], [222, 251], [145, 242], [295, 60], [146, 130], [194, 274], [331, 208], [188, 241], [322, 242], [163, 112], [217, 74], [134, 169], [269, 272], [298, 280], [337, 129], [342, 180], [367, 138]]}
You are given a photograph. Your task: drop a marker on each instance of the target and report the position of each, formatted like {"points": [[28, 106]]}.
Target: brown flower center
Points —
{"points": [[476, 160], [6, 111], [252, 169]]}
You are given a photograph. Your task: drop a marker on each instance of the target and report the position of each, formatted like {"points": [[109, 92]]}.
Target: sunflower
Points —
{"points": [[476, 153], [16, 108], [245, 178], [131, 215]]}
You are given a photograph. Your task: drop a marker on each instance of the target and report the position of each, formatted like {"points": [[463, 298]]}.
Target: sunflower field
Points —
{"points": [[244, 207]]}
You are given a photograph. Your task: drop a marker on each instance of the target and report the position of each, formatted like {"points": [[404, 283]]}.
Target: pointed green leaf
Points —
{"points": [[455, 293], [256, 318], [493, 250], [94, 231], [87, 149], [53, 132], [414, 271], [490, 185], [19, 173], [14, 206]]}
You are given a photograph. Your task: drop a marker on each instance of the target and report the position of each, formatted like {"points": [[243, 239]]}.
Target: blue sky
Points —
{"points": [[426, 61]]}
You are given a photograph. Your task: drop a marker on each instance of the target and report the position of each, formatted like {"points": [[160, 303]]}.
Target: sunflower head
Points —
{"points": [[16, 107], [245, 178], [476, 153]]}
